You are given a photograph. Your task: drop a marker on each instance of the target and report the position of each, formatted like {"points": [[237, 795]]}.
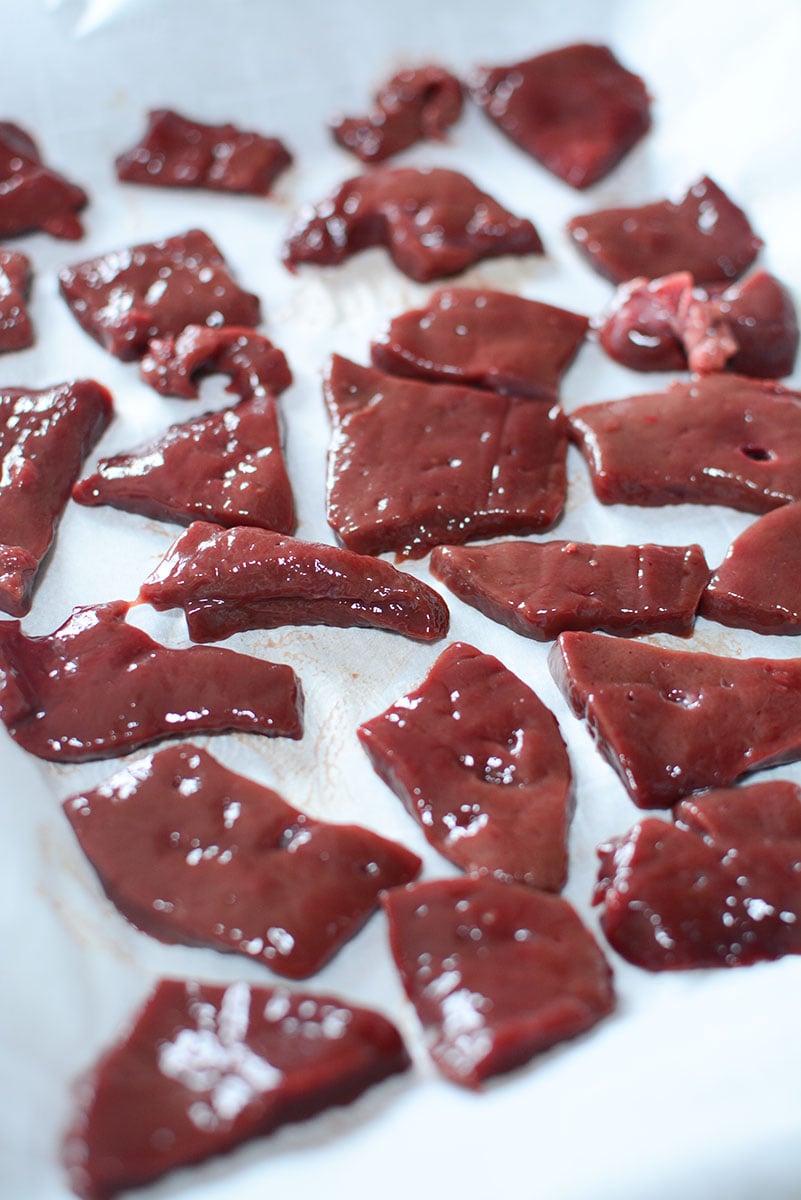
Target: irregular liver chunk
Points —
{"points": [[229, 580], [484, 339], [478, 761], [497, 972], [719, 439], [99, 687], [540, 589], [126, 297], [173, 366], [205, 1067], [191, 852], [16, 331], [412, 105], [432, 221], [672, 722], [705, 234], [31, 195], [415, 464]]}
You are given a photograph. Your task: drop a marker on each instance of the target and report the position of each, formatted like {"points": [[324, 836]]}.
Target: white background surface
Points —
{"points": [[692, 1087]]}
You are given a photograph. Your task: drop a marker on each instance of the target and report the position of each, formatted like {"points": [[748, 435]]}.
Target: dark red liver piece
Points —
{"points": [[540, 589], [415, 464], [204, 1067], [225, 467], [191, 852], [576, 110], [173, 366], [433, 222], [757, 584], [669, 324], [721, 888], [31, 195], [99, 687], [719, 439], [16, 331], [497, 972], [705, 234], [229, 580], [178, 152], [478, 761], [484, 339], [412, 105], [672, 722], [126, 297], [44, 437]]}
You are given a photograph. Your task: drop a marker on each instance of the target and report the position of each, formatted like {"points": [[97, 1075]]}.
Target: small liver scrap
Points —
{"points": [[229, 580], [16, 331], [705, 234], [414, 104], [205, 1067], [432, 221], [99, 687], [31, 195], [178, 152], [125, 298], [415, 464], [173, 366], [540, 589], [484, 339], [720, 888], [497, 972], [576, 109], [672, 722], [719, 439], [191, 852], [478, 761]]}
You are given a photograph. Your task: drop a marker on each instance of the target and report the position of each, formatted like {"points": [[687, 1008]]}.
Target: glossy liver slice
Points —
{"points": [[414, 104], [173, 366], [432, 221], [126, 297], [225, 466], [497, 972], [31, 195], [673, 722], [718, 439], [285, 581], [704, 233], [577, 110], [191, 852], [478, 761], [16, 331], [44, 438], [414, 464], [205, 1067], [540, 589], [721, 888], [99, 687], [483, 339], [178, 152]]}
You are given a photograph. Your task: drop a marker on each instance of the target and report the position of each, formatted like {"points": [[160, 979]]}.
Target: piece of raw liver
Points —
{"points": [[672, 722], [126, 297], [757, 584], [704, 233], [717, 439], [497, 972], [478, 761], [418, 103], [16, 330], [191, 852], [720, 888], [486, 339], [173, 366], [433, 222], [204, 1067], [540, 589], [31, 195], [229, 580], [577, 110], [44, 438], [414, 464], [176, 151], [225, 466], [98, 687]]}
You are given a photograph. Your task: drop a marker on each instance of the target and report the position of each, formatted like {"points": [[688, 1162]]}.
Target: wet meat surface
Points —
{"points": [[414, 104], [173, 366], [16, 330], [31, 195]]}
